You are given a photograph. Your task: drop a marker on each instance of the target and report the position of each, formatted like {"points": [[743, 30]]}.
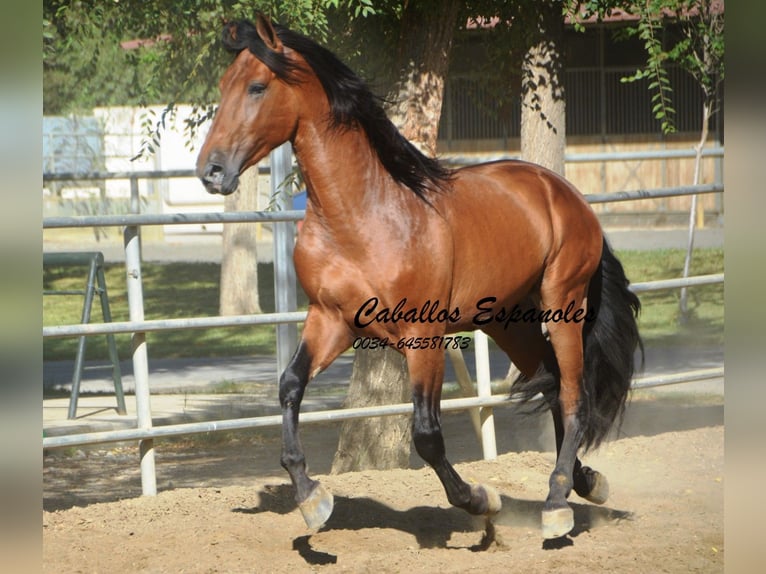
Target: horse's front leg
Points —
{"points": [[322, 341], [426, 374]]}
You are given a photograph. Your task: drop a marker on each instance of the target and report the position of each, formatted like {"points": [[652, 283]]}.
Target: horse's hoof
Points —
{"points": [[557, 522], [599, 492], [317, 507], [484, 500]]}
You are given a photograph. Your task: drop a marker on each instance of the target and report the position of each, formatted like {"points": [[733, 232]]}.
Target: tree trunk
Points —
{"points": [[424, 48], [543, 110], [239, 264], [381, 377]]}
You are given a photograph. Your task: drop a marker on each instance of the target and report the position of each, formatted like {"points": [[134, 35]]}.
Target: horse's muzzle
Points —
{"points": [[217, 178]]}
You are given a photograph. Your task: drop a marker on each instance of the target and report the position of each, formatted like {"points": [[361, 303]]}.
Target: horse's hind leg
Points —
{"points": [[567, 341], [526, 346], [426, 373], [587, 483]]}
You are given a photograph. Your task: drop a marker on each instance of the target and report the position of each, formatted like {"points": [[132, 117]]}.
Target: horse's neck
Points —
{"points": [[341, 171]]}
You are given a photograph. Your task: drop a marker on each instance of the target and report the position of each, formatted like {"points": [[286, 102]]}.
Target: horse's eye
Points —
{"points": [[256, 89]]}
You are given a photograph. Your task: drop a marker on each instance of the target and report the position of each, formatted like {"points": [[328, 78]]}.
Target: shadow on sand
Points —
{"points": [[432, 527]]}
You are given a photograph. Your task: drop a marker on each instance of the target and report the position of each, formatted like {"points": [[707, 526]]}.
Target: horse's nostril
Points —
{"points": [[217, 173], [213, 170], [212, 176]]}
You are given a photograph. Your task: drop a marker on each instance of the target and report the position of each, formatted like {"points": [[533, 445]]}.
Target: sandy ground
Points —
{"points": [[225, 505]]}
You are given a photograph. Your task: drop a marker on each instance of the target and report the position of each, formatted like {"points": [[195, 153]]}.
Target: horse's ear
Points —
{"points": [[267, 33]]}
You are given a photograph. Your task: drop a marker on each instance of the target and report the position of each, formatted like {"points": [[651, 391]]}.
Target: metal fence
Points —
{"points": [[138, 326]]}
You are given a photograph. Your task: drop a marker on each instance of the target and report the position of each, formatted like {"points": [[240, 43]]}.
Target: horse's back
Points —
{"points": [[510, 219], [528, 198], [517, 181]]}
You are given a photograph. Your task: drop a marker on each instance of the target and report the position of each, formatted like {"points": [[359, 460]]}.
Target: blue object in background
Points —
{"points": [[299, 200]]}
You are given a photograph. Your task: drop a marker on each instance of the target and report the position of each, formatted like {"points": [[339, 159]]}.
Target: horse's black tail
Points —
{"points": [[610, 341]]}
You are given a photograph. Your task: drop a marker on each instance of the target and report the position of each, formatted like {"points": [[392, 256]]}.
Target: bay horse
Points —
{"points": [[397, 248]]}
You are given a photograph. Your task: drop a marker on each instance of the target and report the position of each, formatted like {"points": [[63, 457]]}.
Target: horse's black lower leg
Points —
{"points": [[429, 443], [558, 518], [566, 339], [315, 503], [587, 483]]}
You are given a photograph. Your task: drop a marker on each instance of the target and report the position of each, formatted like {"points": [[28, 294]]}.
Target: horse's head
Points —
{"points": [[258, 110]]}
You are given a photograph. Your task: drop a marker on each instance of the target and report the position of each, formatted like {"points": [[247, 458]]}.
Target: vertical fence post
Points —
{"points": [[140, 355], [284, 270], [484, 388]]}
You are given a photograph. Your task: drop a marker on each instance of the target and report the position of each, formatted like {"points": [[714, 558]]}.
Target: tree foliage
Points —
{"points": [[698, 48], [167, 52], [133, 52]]}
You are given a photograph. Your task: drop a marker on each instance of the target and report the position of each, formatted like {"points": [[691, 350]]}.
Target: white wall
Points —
{"points": [[125, 132]]}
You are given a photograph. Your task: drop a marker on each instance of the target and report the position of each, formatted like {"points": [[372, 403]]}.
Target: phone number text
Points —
{"points": [[433, 343]]}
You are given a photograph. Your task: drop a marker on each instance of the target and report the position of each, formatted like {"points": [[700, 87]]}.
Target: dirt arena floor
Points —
{"points": [[225, 505]]}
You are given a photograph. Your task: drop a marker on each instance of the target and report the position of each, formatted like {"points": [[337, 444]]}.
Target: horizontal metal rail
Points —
{"points": [[333, 415], [462, 159], [664, 284], [146, 174], [641, 155], [676, 378], [653, 193], [294, 317], [173, 324], [93, 175], [172, 218]]}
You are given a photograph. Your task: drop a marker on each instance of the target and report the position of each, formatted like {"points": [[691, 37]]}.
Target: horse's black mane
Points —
{"points": [[351, 102]]}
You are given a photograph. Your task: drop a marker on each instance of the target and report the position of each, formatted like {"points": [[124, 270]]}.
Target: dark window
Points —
{"points": [[598, 102]]}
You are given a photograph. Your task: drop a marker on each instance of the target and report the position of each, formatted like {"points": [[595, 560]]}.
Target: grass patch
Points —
{"points": [[173, 290], [182, 290], [659, 322]]}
